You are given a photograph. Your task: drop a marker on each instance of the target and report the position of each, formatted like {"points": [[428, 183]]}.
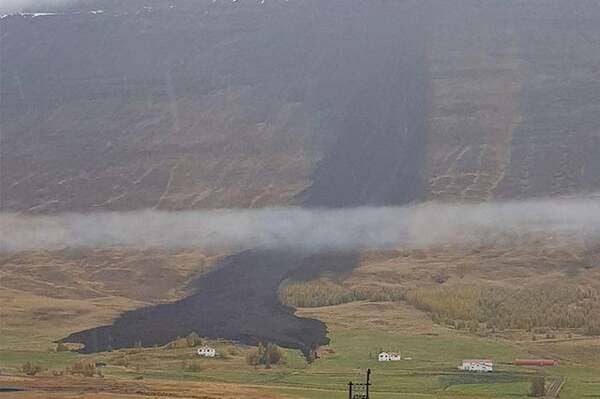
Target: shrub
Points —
{"points": [[121, 361], [61, 347], [266, 355], [233, 351], [31, 369], [86, 368], [179, 343], [252, 358], [272, 354], [193, 340]]}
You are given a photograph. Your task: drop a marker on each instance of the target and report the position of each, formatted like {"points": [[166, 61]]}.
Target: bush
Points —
{"points": [[233, 351], [193, 340], [61, 347], [252, 358], [31, 369], [266, 355], [86, 368], [190, 341], [121, 361], [179, 343]]}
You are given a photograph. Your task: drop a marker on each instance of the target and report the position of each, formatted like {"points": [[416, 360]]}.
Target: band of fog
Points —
{"points": [[301, 229]]}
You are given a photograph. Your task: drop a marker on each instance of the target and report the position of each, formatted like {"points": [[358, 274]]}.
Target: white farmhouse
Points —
{"points": [[389, 357], [207, 351], [480, 365]]}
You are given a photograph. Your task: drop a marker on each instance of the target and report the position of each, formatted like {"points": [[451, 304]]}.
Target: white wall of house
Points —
{"points": [[389, 357], [207, 351], [478, 365]]}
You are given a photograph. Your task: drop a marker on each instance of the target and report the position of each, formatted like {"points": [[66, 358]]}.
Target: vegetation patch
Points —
{"points": [[481, 378], [557, 307], [267, 355], [318, 293]]}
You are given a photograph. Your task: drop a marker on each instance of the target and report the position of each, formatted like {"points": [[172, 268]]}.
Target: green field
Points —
{"points": [[434, 352]]}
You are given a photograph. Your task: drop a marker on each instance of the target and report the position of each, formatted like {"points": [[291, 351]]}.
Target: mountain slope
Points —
{"points": [[202, 104]]}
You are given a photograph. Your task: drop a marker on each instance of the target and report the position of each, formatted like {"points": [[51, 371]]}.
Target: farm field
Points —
{"points": [[357, 331]]}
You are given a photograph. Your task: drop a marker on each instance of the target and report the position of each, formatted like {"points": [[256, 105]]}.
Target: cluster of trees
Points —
{"points": [[318, 293], [266, 354], [85, 368], [30, 369], [191, 341], [504, 308], [472, 307], [327, 293]]}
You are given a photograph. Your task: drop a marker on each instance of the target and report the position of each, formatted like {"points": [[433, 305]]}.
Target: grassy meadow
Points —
{"points": [[358, 332], [389, 302]]}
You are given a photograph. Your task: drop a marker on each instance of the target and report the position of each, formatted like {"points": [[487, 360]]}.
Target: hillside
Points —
{"points": [[110, 105], [200, 104]]}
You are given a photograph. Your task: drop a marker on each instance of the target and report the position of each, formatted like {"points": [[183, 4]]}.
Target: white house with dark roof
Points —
{"points": [[479, 365], [207, 351], [389, 357]]}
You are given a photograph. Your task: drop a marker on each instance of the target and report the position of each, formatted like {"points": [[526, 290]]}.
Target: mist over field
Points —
{"points": [[303, 229]]}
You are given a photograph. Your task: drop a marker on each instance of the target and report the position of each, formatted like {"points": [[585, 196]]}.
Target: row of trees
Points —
{"points": [[327, 293], [85, 368], [318, 293]]}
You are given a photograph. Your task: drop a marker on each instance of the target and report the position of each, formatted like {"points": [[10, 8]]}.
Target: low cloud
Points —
{"points": [[303, 229], [12, 6]]}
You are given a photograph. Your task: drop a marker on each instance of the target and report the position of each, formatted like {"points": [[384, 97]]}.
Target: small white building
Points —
{"points": [[207, 351], [478, 365], [389, 357]]}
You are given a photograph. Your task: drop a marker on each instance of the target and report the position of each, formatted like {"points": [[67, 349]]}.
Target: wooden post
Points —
{"points": [[368, 382], [350, 390]]}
